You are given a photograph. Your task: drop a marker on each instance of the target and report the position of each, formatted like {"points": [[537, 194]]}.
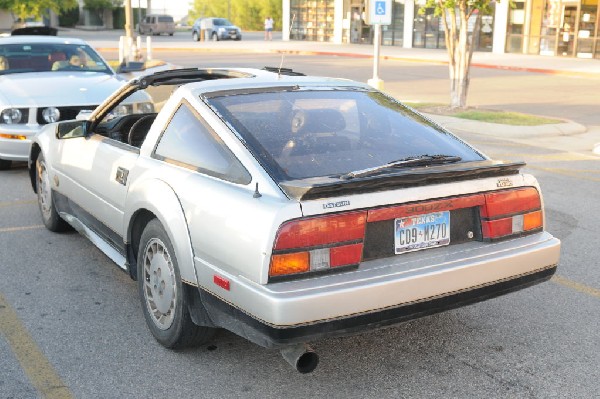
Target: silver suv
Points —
{"points": [[215, 29]]}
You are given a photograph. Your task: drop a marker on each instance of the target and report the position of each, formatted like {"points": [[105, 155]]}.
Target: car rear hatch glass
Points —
{"points": [[305, 133]]}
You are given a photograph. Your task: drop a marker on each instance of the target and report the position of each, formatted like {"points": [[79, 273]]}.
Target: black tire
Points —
{"points": [[170, 34], [50, 216], [162, 294], [214, 37], [5, 164], [195, 36]]}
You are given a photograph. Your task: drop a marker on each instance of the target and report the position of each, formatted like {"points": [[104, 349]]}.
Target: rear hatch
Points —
{"points": [[374, 178]]}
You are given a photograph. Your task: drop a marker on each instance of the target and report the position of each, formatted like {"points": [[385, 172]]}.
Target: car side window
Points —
{"points": [[188, 141]]}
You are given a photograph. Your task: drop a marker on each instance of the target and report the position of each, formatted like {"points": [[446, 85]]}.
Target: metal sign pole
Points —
{"points": [[379, 12]]}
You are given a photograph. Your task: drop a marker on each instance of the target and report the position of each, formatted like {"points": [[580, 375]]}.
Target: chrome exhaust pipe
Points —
{"points": [[302, 357]]}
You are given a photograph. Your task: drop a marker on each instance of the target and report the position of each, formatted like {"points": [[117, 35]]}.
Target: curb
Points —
{"points": [[567, 128]]}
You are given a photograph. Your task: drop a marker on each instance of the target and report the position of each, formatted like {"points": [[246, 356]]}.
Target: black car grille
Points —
{"points": [[66, 113]]}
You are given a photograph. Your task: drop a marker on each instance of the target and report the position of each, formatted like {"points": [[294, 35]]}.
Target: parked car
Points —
{"points": [[157, 24], [288, 208], [46, 79], [29, 22], [215, 29]]}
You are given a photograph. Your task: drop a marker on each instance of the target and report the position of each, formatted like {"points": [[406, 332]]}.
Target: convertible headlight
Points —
{"points": [[51, 114], [11, 116], [145, 108]]}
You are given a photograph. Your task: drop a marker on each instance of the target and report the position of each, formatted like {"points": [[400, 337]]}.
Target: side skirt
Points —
{"points": [[95, 231]]}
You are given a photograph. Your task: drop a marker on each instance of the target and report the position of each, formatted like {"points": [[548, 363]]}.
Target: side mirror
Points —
{"points": [[71, 129], [132, 66]]}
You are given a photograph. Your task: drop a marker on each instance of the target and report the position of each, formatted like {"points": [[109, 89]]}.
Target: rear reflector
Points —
{"points": [[221, 282]]}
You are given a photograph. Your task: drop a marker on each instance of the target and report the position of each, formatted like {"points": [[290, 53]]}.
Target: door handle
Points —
{"points": [[121, 176]]}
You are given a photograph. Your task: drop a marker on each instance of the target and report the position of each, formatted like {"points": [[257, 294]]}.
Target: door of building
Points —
{"points": [[567, 34]]}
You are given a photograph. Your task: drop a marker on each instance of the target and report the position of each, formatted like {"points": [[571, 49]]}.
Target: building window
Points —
{"points": [[516, 26], [312, 20], [393, 34], [429, 30]]}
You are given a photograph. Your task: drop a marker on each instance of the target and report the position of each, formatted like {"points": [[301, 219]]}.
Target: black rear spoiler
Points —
{"points": [[326, 187]]}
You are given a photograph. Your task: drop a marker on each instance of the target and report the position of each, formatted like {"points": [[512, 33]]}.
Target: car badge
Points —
{"points": [[338, 204], [504, 182]]}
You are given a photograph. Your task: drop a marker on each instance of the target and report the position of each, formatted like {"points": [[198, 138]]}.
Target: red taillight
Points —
{"points": [[318, 244], [510, 202], [511, 212], [321, 231]]}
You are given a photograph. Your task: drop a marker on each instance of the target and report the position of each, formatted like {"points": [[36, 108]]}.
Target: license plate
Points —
{"points": [[418, 232]]}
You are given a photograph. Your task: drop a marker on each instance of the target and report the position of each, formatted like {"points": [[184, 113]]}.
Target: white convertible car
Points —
{"points": [[288, 208], [46, 79]]}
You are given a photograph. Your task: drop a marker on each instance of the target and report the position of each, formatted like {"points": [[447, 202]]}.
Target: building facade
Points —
{"points": [[546, 27]]}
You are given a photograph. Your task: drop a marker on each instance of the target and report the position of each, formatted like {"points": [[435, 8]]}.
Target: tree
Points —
{"points": [[460, 43], [247, 14], [98, 6], [36, 8]]}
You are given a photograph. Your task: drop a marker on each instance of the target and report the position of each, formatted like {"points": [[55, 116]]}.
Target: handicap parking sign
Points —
{"points": [[379, 12]]}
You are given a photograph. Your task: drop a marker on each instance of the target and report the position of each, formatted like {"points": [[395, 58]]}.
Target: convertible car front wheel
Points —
{"points": [[50, 216], [161, 292]]}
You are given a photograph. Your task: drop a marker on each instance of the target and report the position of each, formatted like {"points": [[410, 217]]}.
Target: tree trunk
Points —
{"points": [[460, 51]]}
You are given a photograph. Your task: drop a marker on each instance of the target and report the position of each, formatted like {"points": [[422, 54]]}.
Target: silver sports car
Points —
{"points": [[45, 79], [288, 208]]}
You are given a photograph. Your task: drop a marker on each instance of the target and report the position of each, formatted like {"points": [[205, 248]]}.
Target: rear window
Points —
{"points": [[221, 22], [299, 134]]}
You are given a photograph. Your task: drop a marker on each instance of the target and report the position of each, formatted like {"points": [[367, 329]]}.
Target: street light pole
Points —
{"points": [[128, 19]]}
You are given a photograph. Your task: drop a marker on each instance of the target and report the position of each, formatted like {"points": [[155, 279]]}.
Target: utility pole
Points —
{"points": [[128, 20]]}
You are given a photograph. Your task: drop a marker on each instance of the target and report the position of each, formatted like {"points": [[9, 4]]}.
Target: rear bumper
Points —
{"points": [[382, 292], [226, 316]]}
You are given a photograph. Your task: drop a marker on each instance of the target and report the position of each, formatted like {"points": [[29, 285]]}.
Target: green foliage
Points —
{"points": [[484, 6], [98, 5], [36, 8], [247, 14], [69, 18]]}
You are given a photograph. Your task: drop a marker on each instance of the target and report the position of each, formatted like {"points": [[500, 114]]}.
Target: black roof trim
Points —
{"points": [[187, 75], [283, 71]]}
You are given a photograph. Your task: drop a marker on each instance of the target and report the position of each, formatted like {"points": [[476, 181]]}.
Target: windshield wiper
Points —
{"points": [[421, 160]]}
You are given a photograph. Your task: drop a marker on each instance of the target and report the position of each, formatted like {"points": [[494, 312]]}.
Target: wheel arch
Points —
{"points": [[34, 153], [155, 199]]}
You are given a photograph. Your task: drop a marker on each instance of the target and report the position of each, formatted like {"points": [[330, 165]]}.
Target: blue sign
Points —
{"points": [[380, 8]]}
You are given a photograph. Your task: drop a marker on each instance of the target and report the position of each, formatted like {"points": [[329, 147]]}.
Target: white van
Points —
{"points": [[156, 24]]}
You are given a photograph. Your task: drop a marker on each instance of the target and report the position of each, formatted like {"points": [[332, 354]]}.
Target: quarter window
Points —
{"points": [[188, 141]]}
